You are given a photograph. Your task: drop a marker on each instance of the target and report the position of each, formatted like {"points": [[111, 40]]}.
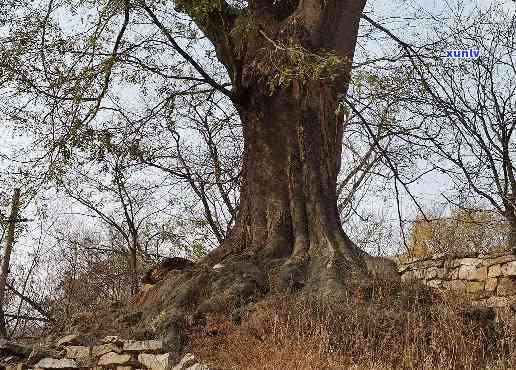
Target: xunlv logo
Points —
{"points": [[463, 54]]}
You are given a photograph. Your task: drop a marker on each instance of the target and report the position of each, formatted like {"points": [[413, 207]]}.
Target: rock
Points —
{"points": [[112, 339], [469, 262], [497, 302], [187, 361], [124, 368], [10, 348], [53, 363], [112, 358], [70, 340], [491, 284], [495, 271], [509, 269], [498, 260], [143, 346], [15, 367], [474, 286], [218, 266], [472, 273], [102, 349], [506, 287], [155, 362], [78, 352], [456, 285]]}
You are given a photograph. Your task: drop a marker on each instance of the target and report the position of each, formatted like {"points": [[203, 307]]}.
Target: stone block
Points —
{"points": [[124, 368], [102, 349], [498, 260], [53, 363], [474, 287], [491, 284], [509, 269], [143, 346], [70, 340], [112, 339], [470, 262], [112, 358], [78, 352], [455, 285], [506, 286], [435, 272], [155, 362], [497, 302], [472, 273], [494, 271]]}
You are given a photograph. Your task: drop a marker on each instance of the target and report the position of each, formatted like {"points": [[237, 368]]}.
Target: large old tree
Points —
{"points": [[69, 64], [289, 62]]}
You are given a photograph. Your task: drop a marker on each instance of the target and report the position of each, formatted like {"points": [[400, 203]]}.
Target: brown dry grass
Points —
{"points": [[385, 327]]}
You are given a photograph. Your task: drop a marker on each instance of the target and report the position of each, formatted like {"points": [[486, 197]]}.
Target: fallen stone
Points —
{"points": [[53, 363], [113, 358], [78, 352], [506, 287], [143, 346], [102, 349], [509, 269], [70, 340], [112, 339], [155, 362]]}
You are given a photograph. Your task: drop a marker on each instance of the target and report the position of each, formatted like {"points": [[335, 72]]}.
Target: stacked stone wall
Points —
{"points": [[488, 279], [73, 352]]}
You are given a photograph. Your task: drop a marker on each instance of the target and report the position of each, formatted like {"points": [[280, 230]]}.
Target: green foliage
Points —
{"points": [[290, 61]]}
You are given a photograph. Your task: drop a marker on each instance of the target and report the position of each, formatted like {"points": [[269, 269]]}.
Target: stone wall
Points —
{"points": [[74, 352], [489, 279]]}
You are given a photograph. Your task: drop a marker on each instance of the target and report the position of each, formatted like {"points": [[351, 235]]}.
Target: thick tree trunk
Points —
{"points": [[293, 137], [288, 204]]}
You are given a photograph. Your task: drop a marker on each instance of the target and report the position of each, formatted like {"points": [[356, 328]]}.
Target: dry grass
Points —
{"points": [[383, 327]]}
